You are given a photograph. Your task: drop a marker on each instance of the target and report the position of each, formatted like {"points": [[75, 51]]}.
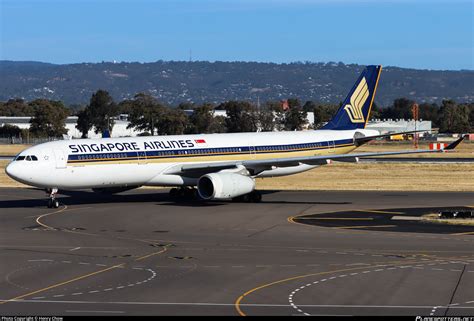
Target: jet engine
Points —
{"points": [[223, 185]]}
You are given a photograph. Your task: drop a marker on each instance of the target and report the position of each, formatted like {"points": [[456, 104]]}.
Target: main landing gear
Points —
{"points": [[191, 193], [252, 197], [184, 194], [52, 202]]}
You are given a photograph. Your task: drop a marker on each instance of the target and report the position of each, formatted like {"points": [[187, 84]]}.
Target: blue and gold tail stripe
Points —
{"points": [[208, 152]]}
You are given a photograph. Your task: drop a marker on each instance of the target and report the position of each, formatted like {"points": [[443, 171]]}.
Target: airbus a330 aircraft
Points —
{"points": [[221, 166]]}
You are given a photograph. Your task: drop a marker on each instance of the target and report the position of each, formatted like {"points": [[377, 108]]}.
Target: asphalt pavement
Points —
{"points": [[295, 253]]}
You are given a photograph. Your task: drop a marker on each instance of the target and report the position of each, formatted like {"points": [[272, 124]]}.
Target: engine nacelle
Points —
{"points": [[223, 185]]}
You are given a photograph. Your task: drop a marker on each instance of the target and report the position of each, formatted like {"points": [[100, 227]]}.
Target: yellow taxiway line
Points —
{"points": [[378, 212], [337, 218], [152, 254], [465, 233], [240, 298], [47, 214], [63, 283], [79, 277], [366, 226]]}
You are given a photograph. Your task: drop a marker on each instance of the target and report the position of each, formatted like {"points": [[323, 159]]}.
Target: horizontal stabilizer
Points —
{"points": [[348, 160], [454, 144], [361, 140]]}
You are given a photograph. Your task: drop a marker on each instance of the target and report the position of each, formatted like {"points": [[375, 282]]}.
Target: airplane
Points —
{"points": [[213, 166]]}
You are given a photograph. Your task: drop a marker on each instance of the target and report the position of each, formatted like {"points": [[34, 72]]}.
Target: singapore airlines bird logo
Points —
{"points": [[358, 98]]}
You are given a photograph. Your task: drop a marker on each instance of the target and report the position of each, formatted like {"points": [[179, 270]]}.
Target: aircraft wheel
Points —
{"points": [[190, 193], [184, 193], [255, 197], [238, 199], [174, 193], [53, 203], [247, 198]]}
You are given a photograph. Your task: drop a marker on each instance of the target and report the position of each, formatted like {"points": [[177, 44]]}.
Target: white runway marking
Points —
{"points": [[153, 275], [232, 304], [418, 266]]}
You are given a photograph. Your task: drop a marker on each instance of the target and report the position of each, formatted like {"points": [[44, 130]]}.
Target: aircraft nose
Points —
{"points": [[13, 170]]}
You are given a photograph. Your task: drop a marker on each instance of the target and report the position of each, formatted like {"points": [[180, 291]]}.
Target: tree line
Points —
{"points": [[449, 117], [149, 116]]}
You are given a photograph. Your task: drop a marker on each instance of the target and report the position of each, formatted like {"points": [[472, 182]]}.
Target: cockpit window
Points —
{"points": [[27, 158]]}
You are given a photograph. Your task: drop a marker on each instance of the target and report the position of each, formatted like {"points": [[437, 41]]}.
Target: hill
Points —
{"points": [[176, 81]]}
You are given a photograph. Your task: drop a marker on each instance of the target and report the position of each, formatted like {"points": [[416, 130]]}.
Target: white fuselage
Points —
{"points": [[144, 161]]}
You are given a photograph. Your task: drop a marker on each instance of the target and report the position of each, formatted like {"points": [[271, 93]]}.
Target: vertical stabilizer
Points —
{"points": [[355, 110]]}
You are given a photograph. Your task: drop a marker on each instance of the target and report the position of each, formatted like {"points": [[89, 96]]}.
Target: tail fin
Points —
{"points": [[355, 109], [105, 133]]}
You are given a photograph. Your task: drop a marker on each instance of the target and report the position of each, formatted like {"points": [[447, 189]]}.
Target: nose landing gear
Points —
{"points": [[52, 202]]}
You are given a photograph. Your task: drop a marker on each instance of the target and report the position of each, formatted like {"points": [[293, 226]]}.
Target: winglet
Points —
{"points": [[454, 144]]}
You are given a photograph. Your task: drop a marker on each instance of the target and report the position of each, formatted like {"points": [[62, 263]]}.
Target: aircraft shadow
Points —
{"points": [[303, 202], [70, 198]]}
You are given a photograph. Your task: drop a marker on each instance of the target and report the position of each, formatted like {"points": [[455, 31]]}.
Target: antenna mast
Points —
{"points": [[414, 110]]}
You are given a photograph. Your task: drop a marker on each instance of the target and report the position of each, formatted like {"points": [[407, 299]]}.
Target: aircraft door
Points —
{"points": [[332, 147], [60, 157], [142, 160], [252, 150]]}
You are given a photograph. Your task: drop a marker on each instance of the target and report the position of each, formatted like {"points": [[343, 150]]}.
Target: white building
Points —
{"points": [[387, 126], [119, 129]]}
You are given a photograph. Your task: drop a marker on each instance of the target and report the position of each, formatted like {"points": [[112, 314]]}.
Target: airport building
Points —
{"points": [[119, 130], [387, 126]]}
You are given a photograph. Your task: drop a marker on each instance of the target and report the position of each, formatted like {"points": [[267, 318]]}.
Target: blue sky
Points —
{"points": [[422, 34]]}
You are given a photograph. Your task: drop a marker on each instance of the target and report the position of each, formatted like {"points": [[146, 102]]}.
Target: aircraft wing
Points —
{"points": [[257, 166]]}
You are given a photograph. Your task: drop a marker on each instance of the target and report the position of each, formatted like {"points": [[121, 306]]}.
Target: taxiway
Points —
{"points": [[139, 253]]}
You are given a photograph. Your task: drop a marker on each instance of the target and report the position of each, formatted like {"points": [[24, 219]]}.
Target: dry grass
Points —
{"points": [[9, 150], [6, 181], [381, 176], [465, 149]]}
